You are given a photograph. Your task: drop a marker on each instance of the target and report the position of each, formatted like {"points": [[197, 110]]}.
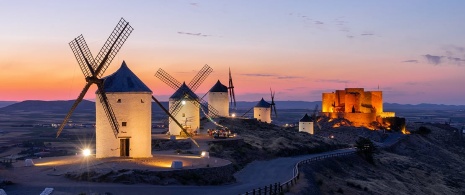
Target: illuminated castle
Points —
{"points": [[356, 105]]}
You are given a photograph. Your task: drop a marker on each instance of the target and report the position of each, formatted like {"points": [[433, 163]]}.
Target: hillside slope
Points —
{"points": [[420, 164]]}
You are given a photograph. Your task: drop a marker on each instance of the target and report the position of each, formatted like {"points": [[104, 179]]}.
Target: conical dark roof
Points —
{"points": [[263, 104], [218, 87], [124, 80], [182, 92], [306, 118]]}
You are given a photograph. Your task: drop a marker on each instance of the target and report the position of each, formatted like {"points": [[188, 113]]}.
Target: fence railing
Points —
{"points": [[278, 188]]}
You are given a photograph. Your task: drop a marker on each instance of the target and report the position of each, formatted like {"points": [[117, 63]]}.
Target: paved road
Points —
{"points": [[254, 175]]}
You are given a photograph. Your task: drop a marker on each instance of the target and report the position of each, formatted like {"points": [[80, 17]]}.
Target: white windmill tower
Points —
{"points": [[131, 101], [218, 99], [306, 124], [262, 111], [188, 112], [184, 104], [112, 138]]}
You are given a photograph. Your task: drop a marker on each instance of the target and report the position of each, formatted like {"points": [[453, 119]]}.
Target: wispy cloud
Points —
{"points": [[332, 81], [259, 75], [319, 22], [194, 34], [432, 59], [410, 61], [289, 77], [367, 34], [194, 4]]}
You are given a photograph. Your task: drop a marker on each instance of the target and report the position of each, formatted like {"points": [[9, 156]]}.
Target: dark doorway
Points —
{"points": [[124, 147]]}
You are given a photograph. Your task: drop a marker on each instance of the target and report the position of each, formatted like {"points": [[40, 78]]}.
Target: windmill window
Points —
{"points": [[124, 124], [118, 101], [183, 114], [141, 101]]}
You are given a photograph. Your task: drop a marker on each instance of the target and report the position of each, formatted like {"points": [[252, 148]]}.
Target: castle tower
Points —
{"points": [[262, 111], [218, 99], [306, 124], [131, 101], [189, 113]]}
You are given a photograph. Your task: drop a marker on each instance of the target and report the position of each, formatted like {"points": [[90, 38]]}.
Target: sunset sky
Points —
{"points": [[413, 50]]}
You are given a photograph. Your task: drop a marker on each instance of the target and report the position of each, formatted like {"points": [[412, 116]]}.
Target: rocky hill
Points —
{"points": [[425, 163]]}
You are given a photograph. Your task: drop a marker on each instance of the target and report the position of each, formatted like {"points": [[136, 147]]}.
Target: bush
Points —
{"points": [[422, 131], [340, 191], [366, 149]]}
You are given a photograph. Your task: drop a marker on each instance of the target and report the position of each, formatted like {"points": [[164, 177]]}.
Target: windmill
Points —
{"points": [[93, 69], [263, 110], [186, 92], [232, 96]]}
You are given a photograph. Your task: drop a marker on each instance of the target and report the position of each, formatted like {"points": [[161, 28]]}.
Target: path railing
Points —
{"points": [[278, 188]]}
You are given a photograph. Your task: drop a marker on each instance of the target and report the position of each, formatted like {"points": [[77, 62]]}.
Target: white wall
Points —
{"points": [[262, 114], [136, 110], [219, 101], [191, 113], [306, 127]]}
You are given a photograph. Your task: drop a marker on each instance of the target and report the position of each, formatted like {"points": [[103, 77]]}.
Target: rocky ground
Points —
{"points": [[261, 141], [425, 163]]}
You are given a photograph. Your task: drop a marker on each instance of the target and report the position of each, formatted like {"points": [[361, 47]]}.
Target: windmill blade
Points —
{"points": [[108, 110], [275, 113], [112, 46], [200, 77], [76, 102], [247, 112], [232, 96], [175, 108], [273, 105], [168, 79], [174, 119], [83, 55]]}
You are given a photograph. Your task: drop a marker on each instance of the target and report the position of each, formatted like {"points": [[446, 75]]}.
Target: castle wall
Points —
{"points": [[262, 114], [220, 102], [135, 110], [306, 127], [357, 119], [328, 99], [377, 101], [189, 115]]}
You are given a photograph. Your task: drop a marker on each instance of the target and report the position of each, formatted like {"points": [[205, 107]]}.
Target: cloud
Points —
{"points": [[367, 34], [259, 75], [410, 61], [194, 34], [288, 77], [457, 61], [432, 59], [319, 22], [350, 36], [194, 4], [332, 81]]}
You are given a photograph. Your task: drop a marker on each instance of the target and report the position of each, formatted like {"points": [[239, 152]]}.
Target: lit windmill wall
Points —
{"points": [[218, 98], [131, 101], [262, 111], [189, 112]]}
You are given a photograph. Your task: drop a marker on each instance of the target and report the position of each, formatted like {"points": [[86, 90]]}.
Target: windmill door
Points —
{"points": [[124, 147]]}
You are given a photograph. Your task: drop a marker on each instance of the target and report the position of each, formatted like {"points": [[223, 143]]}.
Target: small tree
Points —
{"points": [[366, 149]]}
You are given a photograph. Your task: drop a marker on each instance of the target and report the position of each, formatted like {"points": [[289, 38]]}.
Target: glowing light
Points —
{"points": [[233, 115], [183, 102], [205, 154], [86, 152], [332, 136]]}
